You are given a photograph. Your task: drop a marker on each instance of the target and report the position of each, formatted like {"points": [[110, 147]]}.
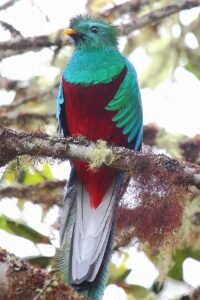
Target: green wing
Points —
{"points": [[127, 104]]}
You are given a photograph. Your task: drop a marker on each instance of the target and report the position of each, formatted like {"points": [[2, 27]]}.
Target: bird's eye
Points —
{"points": [[94, 29]]}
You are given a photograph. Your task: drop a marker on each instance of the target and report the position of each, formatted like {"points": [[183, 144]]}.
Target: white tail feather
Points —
{"points": [[91, 233]]}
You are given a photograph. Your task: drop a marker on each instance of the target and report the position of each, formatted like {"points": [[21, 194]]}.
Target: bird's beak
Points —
{"points": [[70, 31]]}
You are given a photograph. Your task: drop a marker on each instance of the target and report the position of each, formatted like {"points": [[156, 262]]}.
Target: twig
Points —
{"points": [[126, 7], [7, 108], [37, 193], [157, 15], [35, 43], [8, 4], [13, 144], [14, 32]]}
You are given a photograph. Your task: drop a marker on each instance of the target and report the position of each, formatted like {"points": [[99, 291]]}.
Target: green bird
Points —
{"points": [[98, 98]]}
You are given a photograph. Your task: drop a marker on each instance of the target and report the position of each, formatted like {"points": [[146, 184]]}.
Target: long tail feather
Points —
{"points": [[92, 230], [95, 289], [86, 238], [67, 225]]}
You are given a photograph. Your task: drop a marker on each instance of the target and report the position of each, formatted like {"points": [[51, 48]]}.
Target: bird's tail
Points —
{"points": [[87, 237], [95, 289]]}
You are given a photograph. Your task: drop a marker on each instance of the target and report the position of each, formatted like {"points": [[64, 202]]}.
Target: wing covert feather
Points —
{"points": [[60, 112], [127, 104]]}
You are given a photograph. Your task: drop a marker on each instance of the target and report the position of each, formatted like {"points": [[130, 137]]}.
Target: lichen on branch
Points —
{"points": [[100, 155]]}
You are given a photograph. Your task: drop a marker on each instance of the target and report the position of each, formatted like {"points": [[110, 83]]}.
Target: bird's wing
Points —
{"points": [[127, 104], [60, 112]]}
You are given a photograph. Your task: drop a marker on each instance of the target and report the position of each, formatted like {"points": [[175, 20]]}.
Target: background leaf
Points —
{"points": [[22, 230]]}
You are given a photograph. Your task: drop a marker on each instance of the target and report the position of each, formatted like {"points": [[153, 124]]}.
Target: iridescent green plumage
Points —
{"points": [[127, 105], [88, 40]]}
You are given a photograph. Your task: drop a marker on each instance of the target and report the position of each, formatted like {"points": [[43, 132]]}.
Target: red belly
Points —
{"points": [[86, 116]]}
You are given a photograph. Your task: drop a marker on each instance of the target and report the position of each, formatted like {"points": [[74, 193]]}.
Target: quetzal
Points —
{"points": [[98, 98]]}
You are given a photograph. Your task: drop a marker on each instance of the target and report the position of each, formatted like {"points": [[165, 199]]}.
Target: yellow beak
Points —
{"points": [[70, 31]]}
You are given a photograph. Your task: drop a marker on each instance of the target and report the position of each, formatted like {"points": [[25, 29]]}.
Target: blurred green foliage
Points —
{"points": [[22, 230], [178, 258], [25, 172]]}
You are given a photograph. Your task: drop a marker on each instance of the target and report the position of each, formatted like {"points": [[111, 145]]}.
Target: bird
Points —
{"points": [[98, 98]]}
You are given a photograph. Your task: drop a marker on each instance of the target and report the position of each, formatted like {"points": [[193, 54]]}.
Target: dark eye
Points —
{"points": [[94, 29]]}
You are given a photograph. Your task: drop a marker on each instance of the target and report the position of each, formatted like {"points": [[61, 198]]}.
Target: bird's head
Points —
{"points": [[91, 33]]}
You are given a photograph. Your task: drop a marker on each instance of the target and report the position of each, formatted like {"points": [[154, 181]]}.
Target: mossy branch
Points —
{"points": [[19, 280], [15, 143], [179, 145]]}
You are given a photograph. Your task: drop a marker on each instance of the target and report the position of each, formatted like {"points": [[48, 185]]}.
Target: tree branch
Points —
{"points": [[37, 96], [19, 280], [21, 118], [123, 8], [14, 32], [153, 136], [47, 193], [157, 15], [8, 4], [13, 144], [24, 44], [34, 43]]}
